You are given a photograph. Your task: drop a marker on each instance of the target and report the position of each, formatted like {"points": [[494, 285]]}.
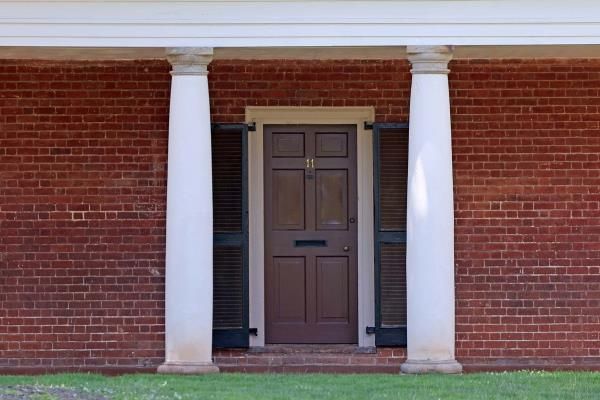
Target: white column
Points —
{"points": [[189, 269], [430, 218]]}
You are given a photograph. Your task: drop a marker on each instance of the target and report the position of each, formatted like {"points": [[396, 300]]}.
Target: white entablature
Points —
{"points": [[247, 23]]}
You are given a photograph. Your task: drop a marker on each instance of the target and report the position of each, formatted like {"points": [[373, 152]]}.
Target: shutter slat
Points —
{"points": [[227, 180], [393, 284], [228, 308], [393, 156]]}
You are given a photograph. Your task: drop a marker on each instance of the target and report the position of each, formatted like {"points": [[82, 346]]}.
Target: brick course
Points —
{"points": [[82, 201]]}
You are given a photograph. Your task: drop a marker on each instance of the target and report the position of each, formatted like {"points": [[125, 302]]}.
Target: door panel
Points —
{"points": [[288, 144], [332, 200], [332, 289], [288, 199], [310, 234], [291, 288], [331, 145]]}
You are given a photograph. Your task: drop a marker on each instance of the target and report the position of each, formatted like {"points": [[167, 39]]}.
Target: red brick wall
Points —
{"points": [[82, 213], [235, 85], [82, 200], [526, 141]]}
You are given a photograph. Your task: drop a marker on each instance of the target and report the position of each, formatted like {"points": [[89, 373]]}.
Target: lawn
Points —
{"points": [[518, 385]]}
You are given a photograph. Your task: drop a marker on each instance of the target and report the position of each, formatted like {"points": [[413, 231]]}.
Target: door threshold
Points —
{"points": [[312, 349]]}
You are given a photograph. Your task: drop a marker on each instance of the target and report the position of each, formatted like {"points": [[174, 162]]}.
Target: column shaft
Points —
{"points": [[430, 217], [189, 251]]}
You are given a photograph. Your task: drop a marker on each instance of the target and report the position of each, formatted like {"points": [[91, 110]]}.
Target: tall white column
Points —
{"points": [[430, 218], [189, 269]]}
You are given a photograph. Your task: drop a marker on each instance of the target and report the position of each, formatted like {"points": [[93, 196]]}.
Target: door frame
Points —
{"points": [[365, 219]]}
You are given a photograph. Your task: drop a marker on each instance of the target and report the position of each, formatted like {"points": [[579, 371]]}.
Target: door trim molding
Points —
{"points": [[311, 115]]}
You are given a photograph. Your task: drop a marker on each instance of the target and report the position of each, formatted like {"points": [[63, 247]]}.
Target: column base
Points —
{"points": [[427, 366], [187, 368]]}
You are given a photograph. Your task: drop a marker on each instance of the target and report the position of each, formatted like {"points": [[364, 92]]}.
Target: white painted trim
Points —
{"points": [[299, 53], [260, 23], [312, 115]]}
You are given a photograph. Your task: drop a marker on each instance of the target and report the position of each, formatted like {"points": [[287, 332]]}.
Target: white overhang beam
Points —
{"points": [[299, 53]]}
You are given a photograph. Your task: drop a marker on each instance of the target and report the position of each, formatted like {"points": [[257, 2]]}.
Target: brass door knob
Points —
{"points": [[346, 248]]}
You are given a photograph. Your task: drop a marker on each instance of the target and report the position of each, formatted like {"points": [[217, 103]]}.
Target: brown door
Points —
{"points": [[310, 233]]}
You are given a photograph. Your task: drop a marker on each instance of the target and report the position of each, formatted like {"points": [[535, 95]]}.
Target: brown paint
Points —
{"points": [[310, 292]]}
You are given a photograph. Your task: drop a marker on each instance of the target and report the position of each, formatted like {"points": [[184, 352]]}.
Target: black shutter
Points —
{"points": [[230, 223], [390, 148]]}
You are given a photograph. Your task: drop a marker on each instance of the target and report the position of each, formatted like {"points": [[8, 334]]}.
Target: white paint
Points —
{"points": [[420, 204], [260, 23], [430, 216], [312, 115], [189, 269]]}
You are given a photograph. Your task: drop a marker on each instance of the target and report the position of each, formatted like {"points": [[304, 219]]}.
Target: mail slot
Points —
{"points": [[310, 243]]}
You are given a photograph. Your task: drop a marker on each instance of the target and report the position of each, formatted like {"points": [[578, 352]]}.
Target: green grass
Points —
{"points": [[517, 385]]}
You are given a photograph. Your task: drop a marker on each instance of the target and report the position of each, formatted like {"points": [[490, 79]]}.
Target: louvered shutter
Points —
{"points": [[390, 182], [230, 223]]}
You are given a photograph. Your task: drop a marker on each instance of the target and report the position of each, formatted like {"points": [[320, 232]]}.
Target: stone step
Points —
{"points": [[310, 358]]}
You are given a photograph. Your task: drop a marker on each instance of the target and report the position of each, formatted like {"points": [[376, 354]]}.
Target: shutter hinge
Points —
{"points": [[251, 126], [371, 330], [253, 331], [368, 126]]}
